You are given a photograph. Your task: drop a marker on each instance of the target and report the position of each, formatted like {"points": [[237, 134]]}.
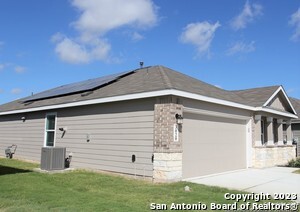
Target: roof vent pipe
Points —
{"points": [[141, 64]]}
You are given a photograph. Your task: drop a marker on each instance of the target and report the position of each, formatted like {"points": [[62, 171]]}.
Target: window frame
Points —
{"points": [[46, 131]]}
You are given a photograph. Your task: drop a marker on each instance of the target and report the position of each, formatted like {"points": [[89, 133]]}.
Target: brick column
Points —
{"points": [[280, 131], [167, 164], [164, 128], [270, 141]]}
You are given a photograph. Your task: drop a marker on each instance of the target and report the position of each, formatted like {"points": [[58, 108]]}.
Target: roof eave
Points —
{"points": [[280, 88], [281, 113], [149, 95], [132, 97]]}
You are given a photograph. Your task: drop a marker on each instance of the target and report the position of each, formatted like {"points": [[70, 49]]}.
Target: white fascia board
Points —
{"points": [[268, 110], [273, 95], [131, 97], [149, 95], [90, 102], [286, 97], [211, 100]]}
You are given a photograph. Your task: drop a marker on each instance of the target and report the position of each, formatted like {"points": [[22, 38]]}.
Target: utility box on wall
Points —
{"points": [[53, 158]]}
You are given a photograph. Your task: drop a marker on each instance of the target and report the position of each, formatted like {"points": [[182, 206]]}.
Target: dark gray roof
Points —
{"points": [[296, 104], [152, 78], [78, 87], [256, 96]]}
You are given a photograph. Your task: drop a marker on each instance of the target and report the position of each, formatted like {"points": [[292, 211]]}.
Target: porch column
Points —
{"points": [[270, 134], [289, 133], [257, 121], [280, 131]]}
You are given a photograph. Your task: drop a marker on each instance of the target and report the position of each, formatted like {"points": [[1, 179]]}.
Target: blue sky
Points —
{"points": [[231, 44]]}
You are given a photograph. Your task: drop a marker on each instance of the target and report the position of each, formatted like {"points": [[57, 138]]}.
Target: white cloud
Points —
{"points": [[57, 37], [2, 66], [137, 36], [73, 52], [1, 91], [16, 91], [241, 47], [295, 21], [1, 43], [20, 69], [199, 34], [97, 18], [249, 13], [101, 16]]}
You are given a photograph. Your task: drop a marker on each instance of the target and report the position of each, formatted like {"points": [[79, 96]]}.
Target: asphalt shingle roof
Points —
{"points": [[296, 105], [148, 79], [256, 96]]}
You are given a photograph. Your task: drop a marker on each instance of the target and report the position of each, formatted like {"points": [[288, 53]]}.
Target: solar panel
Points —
{"points": [[77, 87]]}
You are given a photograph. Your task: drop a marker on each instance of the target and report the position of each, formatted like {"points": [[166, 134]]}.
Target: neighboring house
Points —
{"points": [[296, 124], [110, 119]]}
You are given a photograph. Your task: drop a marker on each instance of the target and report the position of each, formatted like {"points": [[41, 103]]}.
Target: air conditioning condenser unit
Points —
{"points": [[53, 158]]}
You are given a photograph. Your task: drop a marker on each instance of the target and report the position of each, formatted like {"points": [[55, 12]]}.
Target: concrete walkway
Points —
{"points": [[268, 180]]}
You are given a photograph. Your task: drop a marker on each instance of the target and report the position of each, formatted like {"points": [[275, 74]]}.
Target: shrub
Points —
{"points": [[294, 163]]}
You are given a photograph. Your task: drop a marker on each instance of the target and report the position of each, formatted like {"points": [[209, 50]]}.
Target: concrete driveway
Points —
{"points": [[268, 180]]}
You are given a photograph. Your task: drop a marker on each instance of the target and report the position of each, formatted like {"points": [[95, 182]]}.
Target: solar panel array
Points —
{"points": [[77, 87]]}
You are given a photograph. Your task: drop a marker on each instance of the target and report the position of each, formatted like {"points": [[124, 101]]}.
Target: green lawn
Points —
{"points": [[24, 190]]}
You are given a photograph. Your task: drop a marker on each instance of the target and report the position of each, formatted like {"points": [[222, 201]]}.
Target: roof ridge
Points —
{"points": [[165, 77], [190, 77], [211, 85]]}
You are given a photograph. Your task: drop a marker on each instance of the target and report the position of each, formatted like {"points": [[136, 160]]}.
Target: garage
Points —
{"points": [[212, 145]]}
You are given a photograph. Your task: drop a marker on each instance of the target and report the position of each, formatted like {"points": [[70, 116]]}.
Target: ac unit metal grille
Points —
{"points": [[53, 158]]}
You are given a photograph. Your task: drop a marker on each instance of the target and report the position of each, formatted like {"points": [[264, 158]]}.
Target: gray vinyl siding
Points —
{"points": [[296, 130], [27, 135], [116, 132], [296, 134]]}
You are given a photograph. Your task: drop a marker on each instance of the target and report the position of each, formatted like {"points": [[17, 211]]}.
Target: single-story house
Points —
{"points": [[153, 122], [296, 124]]}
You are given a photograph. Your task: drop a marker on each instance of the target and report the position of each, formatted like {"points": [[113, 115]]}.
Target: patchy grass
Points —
{"points": [[24, 190], [297, 171]]}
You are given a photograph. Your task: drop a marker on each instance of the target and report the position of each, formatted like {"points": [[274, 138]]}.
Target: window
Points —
{"points": [[50, 129]]}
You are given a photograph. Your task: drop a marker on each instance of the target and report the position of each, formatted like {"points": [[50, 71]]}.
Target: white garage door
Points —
{"points": [[212, 145]]}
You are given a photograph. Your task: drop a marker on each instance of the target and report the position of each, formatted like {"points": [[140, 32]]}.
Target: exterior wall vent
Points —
{"points": [[53, 158]]}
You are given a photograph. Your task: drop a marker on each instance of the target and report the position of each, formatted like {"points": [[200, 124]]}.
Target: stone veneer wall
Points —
{"points": [[272, 156], [167, 163], [167, 167]]}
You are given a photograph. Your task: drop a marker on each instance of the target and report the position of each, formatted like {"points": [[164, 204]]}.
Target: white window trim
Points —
{"points": [[45, 130]]}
